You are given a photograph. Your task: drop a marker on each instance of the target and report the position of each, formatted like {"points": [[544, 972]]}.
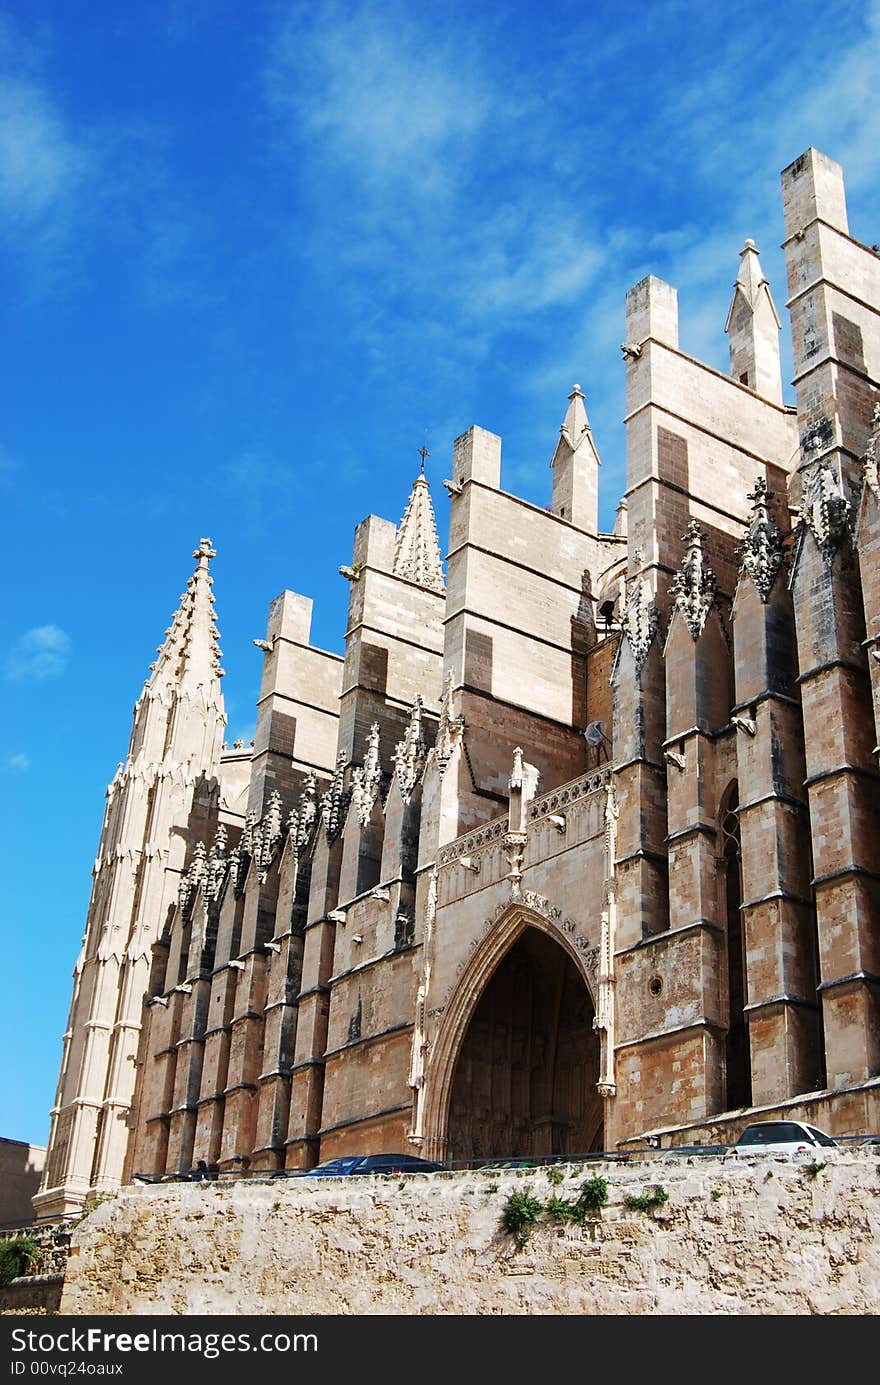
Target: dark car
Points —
{"points": [[372, 1163], [693, 1152]]}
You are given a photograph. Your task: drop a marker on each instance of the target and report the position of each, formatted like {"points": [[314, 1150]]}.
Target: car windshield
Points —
{"points": [[338, 1165], [773, 1133], [821, 1136]]}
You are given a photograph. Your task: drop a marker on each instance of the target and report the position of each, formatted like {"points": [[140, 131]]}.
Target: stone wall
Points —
{"points": [[759, 1236]]}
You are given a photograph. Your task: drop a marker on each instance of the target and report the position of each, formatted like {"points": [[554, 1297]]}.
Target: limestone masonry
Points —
{"points": [[577, 844], [769, 1236]]}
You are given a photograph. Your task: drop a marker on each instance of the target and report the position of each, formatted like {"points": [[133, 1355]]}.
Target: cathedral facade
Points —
{"points": [[576, 845]]}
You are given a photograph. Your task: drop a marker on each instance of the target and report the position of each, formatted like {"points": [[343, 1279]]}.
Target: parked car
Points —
{"points": [[372, 1163], [693, 1151], [781, 1137]]}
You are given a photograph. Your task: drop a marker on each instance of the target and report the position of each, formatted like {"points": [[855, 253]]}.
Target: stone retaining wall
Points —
{"points": [[761, 1236]]}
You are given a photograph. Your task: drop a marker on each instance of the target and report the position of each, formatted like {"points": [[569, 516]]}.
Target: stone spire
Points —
{"points": [[191, 651], [417, 549], [753, 327], [761, 549], [575, 466], [176, 740], [693, 587]]}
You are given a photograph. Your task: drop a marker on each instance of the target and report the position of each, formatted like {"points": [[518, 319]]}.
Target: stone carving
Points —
{"points": [[694, 586], [761, 551], [409, 754], [516, 774], [871, 459], [825, 511], [193, 878], [514, 848], [301, 820], [450, 728], [217, 865], [817, 438], [333, 800], [365, 781], [269, 835], [639, 619]]}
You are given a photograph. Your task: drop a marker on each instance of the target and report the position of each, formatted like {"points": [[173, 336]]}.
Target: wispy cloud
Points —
{"points": [[41, 165], [40, 653], [429, 180], [18, 762]]}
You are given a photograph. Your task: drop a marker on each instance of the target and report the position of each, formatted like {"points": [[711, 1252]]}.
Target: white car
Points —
{"points": [[780, 1137]]}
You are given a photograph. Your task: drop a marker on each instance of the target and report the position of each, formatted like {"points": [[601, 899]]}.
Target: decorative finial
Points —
{"points": [[424, 454], [204, 552]]}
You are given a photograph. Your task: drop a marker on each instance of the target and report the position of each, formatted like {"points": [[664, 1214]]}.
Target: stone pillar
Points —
{"points": [[777, 909]]}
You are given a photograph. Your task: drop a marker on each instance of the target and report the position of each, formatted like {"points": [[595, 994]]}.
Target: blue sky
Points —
{"points": [[251, 254]]}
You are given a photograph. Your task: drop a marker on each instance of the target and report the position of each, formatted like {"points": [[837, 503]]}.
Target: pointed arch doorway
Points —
{"points": [[521, 1056]]}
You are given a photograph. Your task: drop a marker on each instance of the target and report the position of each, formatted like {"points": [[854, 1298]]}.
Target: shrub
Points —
{"points": [[593, 1193], [16, 1256], [559, 1209], [646, 1202], [555, 1176], [521, 1211]]}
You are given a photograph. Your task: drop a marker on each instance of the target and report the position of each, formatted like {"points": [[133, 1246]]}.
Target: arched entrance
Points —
{"points": [[524, 1078]]}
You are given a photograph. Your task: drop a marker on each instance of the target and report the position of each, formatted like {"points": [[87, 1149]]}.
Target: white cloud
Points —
{"points": [[41, 164], [40, 653], [19, 762]]}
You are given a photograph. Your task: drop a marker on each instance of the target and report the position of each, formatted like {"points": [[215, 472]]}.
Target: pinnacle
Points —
{"points": [[417, 551], [190, 653], [750, 281], [575, 425]]}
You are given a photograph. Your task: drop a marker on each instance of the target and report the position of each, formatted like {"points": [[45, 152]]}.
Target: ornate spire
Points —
{"points": [[417, 552], [366, 780], [332, 800], [191, 654], [193, 878], [300, 820], [693, 588], [761, 549], [216, 866], [409, 754]]}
